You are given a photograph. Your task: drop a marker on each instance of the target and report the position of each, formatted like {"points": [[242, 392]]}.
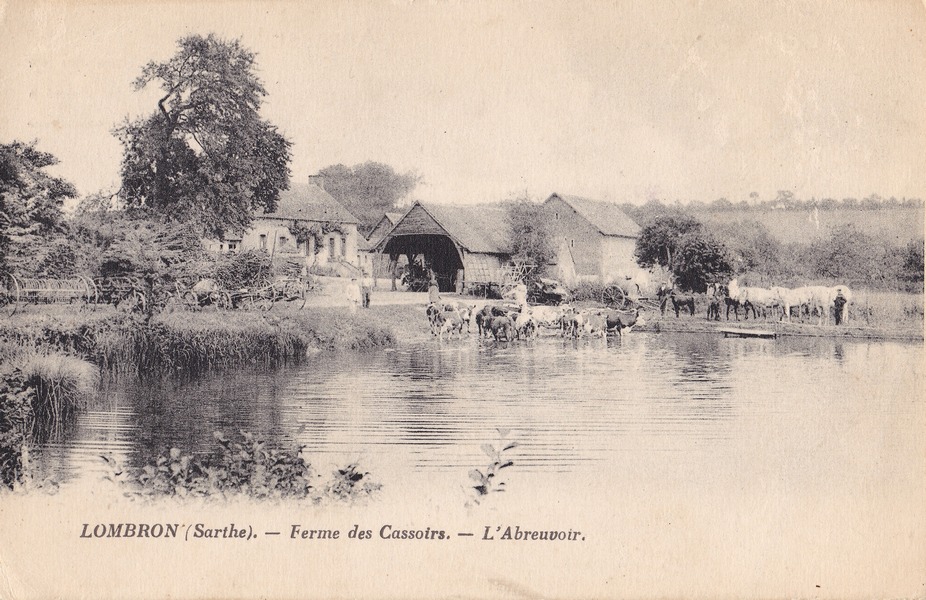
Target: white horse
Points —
{"points": [[824, 298], [815, 297], [752, 297]]}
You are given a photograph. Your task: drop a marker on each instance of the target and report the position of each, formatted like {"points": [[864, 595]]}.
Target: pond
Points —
{"points": [[669, 407]]}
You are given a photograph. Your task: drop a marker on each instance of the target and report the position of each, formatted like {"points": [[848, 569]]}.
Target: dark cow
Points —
{"points": [[724, 292], [618, 321], [502, 327], [481, 318]]}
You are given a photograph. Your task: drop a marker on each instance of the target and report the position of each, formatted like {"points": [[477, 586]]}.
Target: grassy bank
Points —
{"points": [[190, 341]]}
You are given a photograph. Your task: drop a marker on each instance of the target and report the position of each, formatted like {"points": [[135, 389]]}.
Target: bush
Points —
{"points": [[238, 468], [15, 419]]}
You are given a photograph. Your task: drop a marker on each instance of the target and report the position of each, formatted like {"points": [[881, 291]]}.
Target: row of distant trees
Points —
{"points": [[785, 199], [698, 254]]}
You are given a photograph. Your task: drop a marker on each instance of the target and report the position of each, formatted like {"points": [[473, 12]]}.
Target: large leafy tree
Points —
{"points": [[369, 189], [661, 239], [681, 245], [31, 203], [204, 157], [701, 259], [751, 247]]}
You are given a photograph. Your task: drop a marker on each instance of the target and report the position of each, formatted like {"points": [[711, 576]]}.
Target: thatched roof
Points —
{"points": [[606, 217], [307, 201]]}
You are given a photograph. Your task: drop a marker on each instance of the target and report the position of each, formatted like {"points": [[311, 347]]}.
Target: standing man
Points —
{"points": [[839, 304], [353, 295], [366, 289]]}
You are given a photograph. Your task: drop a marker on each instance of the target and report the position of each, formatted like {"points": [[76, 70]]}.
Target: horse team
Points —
{"points": [[506, 322], [820, 302]]}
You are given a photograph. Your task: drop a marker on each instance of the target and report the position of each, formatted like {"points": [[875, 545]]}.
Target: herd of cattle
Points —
{"points": [[509, 322], [779, 303], [513, 321]]}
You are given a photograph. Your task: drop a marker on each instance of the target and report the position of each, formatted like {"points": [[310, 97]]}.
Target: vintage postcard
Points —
{"points": [[381, 299]]}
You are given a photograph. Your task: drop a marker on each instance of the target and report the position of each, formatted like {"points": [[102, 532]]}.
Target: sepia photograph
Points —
{"points": [[441, 299]]}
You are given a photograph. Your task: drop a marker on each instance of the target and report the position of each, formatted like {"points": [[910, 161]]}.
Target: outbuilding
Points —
{"points": [[595, 240], [463, 246]]}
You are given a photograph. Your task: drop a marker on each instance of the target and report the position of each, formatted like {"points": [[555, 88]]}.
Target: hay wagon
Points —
{"points": [[284, 289], [19, 291]]}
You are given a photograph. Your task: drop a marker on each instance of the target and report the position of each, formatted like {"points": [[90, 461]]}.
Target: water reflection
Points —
{"points": [[574, 405]]}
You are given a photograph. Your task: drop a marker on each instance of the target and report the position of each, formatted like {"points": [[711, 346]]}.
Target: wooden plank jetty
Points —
{"points": [[751, 333]]}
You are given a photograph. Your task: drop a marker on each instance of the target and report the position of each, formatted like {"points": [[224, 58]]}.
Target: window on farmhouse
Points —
{"points": [[283, 240], [344, 246], [232, 246], [331, 248], [263, 242]]}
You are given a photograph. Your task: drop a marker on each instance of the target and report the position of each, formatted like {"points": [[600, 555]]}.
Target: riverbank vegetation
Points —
{"points": [[245, 466]]}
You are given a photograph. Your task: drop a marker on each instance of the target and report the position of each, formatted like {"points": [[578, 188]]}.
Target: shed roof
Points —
{"points": [[606, 217], [479, 228], [307, 201]]}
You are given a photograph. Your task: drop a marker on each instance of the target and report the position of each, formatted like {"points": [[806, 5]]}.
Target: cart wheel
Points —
{"points": [[190, 300], [141, 302], [613, 295], [224, 300], [8, 304], [173, 304]]}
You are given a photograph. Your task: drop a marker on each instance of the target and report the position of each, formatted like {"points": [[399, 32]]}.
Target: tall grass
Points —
{"points": [[193, 341], [886, 310], [62, 385]]}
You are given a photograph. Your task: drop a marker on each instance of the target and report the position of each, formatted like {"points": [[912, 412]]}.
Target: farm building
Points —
{"points": [[595, 240], [308, 224], [462, 245], [383, 226], [377, 263]]}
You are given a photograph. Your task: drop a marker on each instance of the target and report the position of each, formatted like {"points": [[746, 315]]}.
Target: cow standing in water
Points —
{"points": [[619, 321]]}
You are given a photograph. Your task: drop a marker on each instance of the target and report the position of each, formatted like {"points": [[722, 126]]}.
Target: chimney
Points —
{"points": [[318, 180]]}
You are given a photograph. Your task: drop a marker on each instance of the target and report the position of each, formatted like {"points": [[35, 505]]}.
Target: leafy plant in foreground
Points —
{"points": [[490, 481]]}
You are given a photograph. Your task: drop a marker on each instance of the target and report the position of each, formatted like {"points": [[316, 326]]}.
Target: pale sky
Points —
{"points": [[622, 101]]}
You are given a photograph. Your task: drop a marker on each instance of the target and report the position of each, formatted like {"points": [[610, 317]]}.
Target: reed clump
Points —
{"points": [[38, 392], [61, 384]]}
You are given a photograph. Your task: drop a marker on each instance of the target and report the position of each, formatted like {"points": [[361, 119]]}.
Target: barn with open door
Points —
{"points": [[462, 245]]}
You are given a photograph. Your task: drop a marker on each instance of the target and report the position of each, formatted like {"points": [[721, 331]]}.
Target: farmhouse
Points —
{"points": [[594, 240], [307, 224], [462, 245]]}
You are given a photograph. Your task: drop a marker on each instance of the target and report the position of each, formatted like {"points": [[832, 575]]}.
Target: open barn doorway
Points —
{"points": [[428, 254]]}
